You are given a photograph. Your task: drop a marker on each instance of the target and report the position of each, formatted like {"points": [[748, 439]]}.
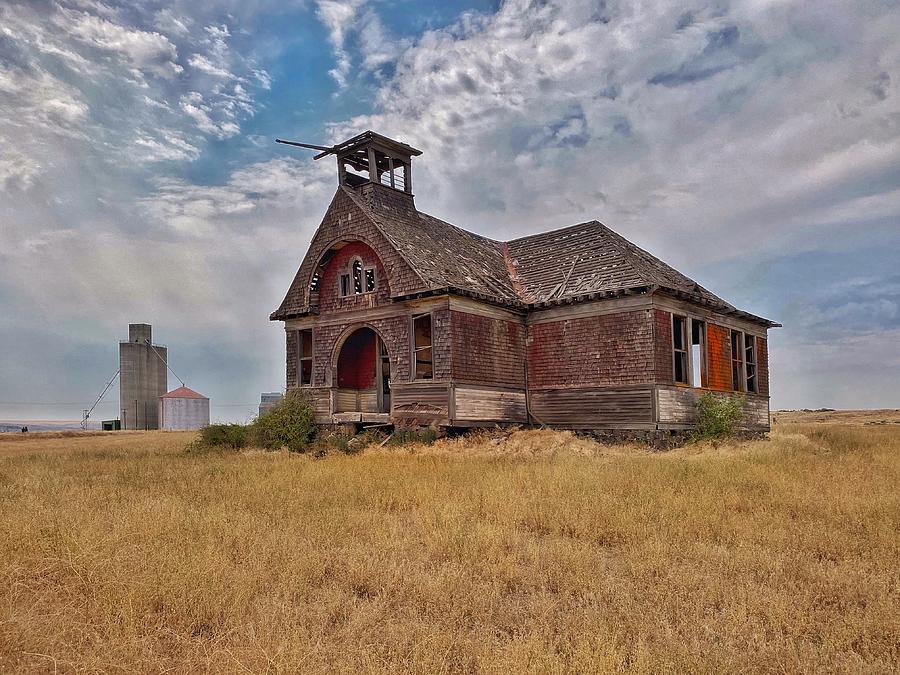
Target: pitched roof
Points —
{"points": [[441, 254], [182, 392], [581, 262], [588, 259]]}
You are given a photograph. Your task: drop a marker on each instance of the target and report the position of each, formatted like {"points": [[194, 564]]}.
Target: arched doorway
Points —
{"points": [[363, 374]]}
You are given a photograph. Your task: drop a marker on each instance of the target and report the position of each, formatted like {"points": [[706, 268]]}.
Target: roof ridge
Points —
{"points": [[636, 255], [553, 231]]}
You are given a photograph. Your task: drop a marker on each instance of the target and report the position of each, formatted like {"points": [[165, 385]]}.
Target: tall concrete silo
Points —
{"points": [[143, 378], [183, 409]]}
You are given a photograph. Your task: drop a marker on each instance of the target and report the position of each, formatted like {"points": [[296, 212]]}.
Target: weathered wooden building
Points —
{"points": [[397, 316]]}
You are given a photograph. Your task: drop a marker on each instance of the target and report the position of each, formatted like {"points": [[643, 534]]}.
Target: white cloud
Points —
{"points": [[16, 170], [200, 62], [169, 22], [149, 52], [339, 17]]}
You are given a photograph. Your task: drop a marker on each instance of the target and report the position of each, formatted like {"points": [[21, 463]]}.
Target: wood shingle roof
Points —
{"points": [[572, 264]]}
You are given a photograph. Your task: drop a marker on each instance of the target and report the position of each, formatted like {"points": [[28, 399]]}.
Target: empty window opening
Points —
{"points": [[422, 353], [357, 276], [743, 362], [698, 353], [370, 280], [679, 348], [345, 285], [314, 284], [304, 357], [385, 377], [750, 362]]}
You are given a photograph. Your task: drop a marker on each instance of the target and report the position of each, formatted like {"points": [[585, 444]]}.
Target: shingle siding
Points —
{"points": [[488, 350], [612, 349]]}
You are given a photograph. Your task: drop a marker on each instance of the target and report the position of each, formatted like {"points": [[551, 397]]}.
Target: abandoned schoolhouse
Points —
{"points": [[398, 317]]}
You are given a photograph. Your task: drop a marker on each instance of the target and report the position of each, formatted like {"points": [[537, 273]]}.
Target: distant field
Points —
{"points": [[537, 553], [824, 416]]}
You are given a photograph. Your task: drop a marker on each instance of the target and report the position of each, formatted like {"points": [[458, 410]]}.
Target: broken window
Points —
{"points": [[750, 362], [345, 285], [370, 280], [698, 353], [422, 352], [679, 348], [737, 360], [314, 284], [357, 268], [304, 357]]}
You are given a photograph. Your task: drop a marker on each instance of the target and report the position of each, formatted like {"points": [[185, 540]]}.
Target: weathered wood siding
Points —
{"points": [[762, 357], [320, 399], [488, 404], [487, 350], [349, 400], [346, 221], [594, 351], [677, 406], [594, 407], [718, 357], [424, 402]]}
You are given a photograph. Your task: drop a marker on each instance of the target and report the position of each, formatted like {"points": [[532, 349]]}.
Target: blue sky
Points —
{"points": [[755, 145]]}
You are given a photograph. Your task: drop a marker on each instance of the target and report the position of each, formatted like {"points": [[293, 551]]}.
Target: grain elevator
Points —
{"points": [[142, 378]]}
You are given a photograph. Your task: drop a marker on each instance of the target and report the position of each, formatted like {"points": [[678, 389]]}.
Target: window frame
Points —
{"points": [[682, 354], [687, 352], [751, 380], [748, 382], [415, 350], [704, 352], [301, 332], [347, 279]]}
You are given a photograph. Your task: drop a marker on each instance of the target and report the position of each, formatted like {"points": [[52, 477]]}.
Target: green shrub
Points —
{"points": [[224, 436], [718, 415], [289, 424]]}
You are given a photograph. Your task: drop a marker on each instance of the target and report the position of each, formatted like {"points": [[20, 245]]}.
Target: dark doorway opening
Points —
{"points": [[363, 374]]}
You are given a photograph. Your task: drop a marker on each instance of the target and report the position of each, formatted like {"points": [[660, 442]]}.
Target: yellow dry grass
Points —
{"points": [[540, 553]]}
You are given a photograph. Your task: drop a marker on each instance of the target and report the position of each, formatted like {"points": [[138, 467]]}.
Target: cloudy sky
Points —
{"points": [[753, 144]]}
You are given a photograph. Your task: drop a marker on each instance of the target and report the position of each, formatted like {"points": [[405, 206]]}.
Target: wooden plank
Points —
{"points": [[360, 315], [488, 404], [593, 308], [678, 406], [593, 406], [426, 401], [471, 306]]}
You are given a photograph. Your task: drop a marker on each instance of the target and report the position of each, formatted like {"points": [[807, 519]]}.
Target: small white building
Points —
{"points": [[183, 409]]}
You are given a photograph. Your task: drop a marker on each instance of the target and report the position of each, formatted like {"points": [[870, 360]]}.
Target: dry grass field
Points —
{"points": [[539, 553]]}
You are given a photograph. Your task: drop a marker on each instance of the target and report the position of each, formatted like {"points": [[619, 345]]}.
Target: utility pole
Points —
{"points": [[124, 419]]}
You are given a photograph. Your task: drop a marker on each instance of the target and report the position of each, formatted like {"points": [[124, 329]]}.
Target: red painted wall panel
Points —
{"points": [[356, 364], [329, 284], [612, 349], [718, 354], [487, 350]]}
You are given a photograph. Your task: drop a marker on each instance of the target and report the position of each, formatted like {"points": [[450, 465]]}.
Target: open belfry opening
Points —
{"points": [[397, 317]]}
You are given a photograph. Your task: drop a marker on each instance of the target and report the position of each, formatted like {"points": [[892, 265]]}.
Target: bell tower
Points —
{"points": [[370, 158]]}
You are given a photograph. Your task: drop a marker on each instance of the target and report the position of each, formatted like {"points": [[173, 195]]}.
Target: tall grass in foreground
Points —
{"points": [[543, 554]]}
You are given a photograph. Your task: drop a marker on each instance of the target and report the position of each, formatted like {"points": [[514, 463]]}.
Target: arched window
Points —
{"points": [[358, 279]]}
